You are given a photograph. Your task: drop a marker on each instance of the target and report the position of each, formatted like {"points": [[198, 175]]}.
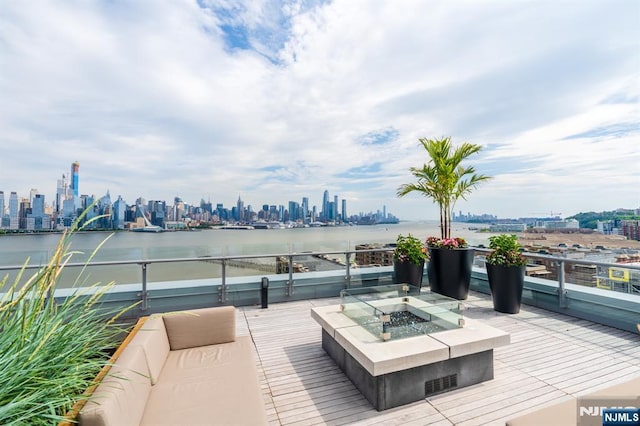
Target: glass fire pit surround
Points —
{"points": [[399, 311], [399, 345]]}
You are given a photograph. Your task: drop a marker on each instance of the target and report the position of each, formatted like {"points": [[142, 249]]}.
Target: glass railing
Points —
{"points": [[341, 269]]}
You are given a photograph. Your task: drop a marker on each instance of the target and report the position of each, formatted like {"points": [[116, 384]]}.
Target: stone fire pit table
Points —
{"points": [[399, 345]]}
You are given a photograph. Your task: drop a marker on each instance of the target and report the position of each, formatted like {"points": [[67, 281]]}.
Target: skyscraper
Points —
{"points": [[13, 205], [344, 210], [61, 193], [2, 220], [325, 206], [305, 209], [75, 168], [240, 210], [37, 205]]}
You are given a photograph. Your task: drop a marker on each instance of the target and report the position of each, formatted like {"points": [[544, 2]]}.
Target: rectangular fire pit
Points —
{"points": [[399, 345]]}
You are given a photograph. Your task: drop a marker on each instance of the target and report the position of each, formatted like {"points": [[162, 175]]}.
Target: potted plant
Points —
{"points": [[505, 269], [408, 260], [445, 180]]}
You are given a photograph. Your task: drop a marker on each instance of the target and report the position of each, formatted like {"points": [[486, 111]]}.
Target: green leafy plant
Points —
{"points": [[444, 179], [409, 249], [50, 349], [506, 251]]}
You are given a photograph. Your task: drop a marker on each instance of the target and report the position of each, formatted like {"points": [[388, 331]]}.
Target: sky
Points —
{"points": [[275, 100]]}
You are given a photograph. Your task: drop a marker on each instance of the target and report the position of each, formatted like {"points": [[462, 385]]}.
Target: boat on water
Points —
{"points": [[148, 228], [237, 227]]}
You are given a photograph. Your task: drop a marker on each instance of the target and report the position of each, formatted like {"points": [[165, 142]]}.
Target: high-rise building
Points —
{"points": [[119, 207], [75, 168], [344, 210], [240, 210], [325, 206], [61, 193], [334, 213], [23, 211], [36, 218], [305, 209], [2, 219], [37, 205], [14, 219], [294, 211]]}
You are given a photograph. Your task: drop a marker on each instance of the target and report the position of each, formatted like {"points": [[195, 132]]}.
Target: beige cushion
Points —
{"points": [[200, 327], [121, 397], [209, 385], [152, 337], [630, 388], [563, 413], [567, 412]]}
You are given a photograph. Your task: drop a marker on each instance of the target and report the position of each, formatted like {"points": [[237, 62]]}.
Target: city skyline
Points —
{"points": [[279, 100], [34, 213]]}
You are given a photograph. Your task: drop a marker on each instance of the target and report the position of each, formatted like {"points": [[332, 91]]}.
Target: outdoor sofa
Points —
{"points": [[566, 412], [185, 368]]}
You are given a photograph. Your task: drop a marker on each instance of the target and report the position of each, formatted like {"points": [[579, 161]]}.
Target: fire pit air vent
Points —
{"points": [[440, 384]]}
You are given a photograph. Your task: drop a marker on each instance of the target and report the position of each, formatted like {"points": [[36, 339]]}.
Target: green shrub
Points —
{"points": [[50, 351], [506, 251], [410, 249]]}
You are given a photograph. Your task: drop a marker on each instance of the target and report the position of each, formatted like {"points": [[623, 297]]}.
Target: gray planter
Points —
{"points": [[408, 273], [449, 271], [506, 283]]}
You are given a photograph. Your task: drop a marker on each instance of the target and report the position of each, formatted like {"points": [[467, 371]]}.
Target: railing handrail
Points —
{"points": [[570, 260], [306, 253]]}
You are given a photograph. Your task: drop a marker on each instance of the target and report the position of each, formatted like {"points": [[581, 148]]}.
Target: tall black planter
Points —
{"points": [[506, 284], [408, 273], [449, 271]]}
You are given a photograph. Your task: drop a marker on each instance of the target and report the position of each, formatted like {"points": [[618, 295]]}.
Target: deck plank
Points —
{"points": [[552, 358]]}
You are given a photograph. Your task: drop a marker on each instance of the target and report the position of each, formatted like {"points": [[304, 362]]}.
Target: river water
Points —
{"points": [[120, 246]]}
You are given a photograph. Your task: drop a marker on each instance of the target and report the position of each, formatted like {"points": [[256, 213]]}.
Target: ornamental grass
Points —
{"points": [[51, 349]]}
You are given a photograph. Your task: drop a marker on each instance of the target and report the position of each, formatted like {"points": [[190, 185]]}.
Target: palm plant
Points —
{"points": [[50, 349], [444, 179]]}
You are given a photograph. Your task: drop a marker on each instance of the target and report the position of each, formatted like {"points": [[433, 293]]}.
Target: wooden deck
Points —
{"points": [[551, 358]]}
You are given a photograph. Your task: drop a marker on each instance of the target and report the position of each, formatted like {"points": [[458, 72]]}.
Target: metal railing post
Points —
{"points": [[348, 277], [222, 295], [562, 293], [144, 295], [290, 282]]}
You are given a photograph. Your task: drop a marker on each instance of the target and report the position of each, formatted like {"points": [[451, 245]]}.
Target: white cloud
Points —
{"points": [[154, 100]]}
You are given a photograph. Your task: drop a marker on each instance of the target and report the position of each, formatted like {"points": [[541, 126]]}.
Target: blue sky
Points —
{"points": [[276, 100]]}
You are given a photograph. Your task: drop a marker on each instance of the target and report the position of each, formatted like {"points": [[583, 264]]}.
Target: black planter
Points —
{"points": [[408, 273], [506, 284], [449, 271]]}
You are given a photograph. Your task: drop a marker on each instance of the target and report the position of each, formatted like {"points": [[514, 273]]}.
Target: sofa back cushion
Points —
{"points": [[121, 397], [152, 337], [200, 327]]}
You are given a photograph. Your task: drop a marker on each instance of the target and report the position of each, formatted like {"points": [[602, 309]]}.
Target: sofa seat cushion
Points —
{"points": [[210, 385]]}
